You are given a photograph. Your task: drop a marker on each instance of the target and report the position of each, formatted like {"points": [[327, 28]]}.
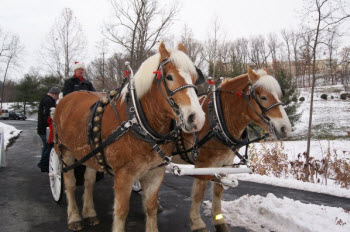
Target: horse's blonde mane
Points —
{"points": [[144, 77]]}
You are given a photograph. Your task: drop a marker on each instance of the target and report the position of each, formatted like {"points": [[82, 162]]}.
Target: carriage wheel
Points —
{"points": [[56, 176], [136, 186]]}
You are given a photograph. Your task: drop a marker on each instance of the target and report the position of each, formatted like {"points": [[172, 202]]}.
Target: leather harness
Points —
{"points": [[137, 122], [219, 130]]}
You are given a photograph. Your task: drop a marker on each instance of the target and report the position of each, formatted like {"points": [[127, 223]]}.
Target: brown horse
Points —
{"points": [[129, 158], [237, 115]]}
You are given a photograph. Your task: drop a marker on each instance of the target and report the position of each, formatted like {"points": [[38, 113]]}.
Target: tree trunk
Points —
{"points": [[3, 83], [312, 91]]}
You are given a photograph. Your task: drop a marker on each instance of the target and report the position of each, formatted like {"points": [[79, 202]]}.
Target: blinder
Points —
{"points": [[201, 79]]}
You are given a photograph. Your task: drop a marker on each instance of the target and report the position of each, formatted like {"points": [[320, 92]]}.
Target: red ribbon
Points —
{"points": [[126, 73], [210, 82], [238, 94], [159, 73], [50, 139]]}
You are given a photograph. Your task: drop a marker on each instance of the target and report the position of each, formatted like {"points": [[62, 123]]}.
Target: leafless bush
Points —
{"points": [[273, 161], [270, 161]]}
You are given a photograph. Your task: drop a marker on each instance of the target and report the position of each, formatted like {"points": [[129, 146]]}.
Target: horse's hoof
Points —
{"points": [[222, 228], [75, 226], [201, 230], [92, 221]]}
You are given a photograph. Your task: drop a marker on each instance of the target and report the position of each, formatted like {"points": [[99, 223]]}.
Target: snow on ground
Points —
{"points": [[10, 132], [329, 189], [264, 214], [330, 116]]}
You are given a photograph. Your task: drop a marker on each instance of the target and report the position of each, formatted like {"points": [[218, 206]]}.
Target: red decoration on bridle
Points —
{"points": [[210, 82], [126, 73], [238, 94], [159, 74]]}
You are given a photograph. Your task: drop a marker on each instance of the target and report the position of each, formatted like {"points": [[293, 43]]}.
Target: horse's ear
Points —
{"points": [[164, 54], [267, 71], [252, 75], [181, 47]]}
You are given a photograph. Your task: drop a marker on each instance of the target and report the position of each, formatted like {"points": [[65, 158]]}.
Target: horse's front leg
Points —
{"points": [[89, 213], [198, 190], [218, 218], [150, 183], [122, 190], [74, 220]]}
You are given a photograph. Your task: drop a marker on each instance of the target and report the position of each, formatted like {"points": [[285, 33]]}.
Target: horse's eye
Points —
{"points": [[263, 98], [169, 78]]}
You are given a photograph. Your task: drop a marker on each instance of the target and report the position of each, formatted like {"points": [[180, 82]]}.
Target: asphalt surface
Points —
{"points": [[26, 203]]}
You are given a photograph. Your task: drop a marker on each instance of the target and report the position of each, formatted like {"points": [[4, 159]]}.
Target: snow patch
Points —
{"points": [[264, 214], [10, 132]]}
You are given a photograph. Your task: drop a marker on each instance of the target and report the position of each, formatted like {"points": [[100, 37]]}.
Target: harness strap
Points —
{"points": [[113, 107], [116, 134]]}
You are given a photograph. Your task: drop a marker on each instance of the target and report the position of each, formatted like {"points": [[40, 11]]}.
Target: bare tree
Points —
{"points": [[286, 35], [64, 44], [306, 56], [295, 41], [324, 15], [11, 52], [345, 66], [194, 48], [273, 44], [258, 54], [138, 25], [100, 63], [212, 46], [332, 45], [241, 47]]}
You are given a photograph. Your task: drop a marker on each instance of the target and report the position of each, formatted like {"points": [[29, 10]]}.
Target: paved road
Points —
{"points": [[26, 203]]}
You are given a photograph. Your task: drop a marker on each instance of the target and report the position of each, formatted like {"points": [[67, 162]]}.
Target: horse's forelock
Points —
{"points": [[268, 83], [144, 77]]}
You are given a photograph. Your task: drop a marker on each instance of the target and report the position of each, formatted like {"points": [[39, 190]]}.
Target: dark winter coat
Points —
{"points": [[44, 112], [74, 84]]}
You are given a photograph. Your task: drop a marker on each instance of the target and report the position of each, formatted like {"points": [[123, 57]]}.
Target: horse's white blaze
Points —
{"points": [[282, 122], [194, 107]]}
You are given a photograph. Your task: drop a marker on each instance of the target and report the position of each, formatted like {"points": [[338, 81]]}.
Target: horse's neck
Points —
{"points": [[154, 111], [234, 108]]}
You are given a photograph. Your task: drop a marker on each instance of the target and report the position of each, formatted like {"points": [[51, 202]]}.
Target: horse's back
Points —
{"points": [[72, 114], [76, 103]]}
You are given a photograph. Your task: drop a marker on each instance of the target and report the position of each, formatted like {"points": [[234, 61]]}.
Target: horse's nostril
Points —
{"points": [[283, 129], [191, 118]]}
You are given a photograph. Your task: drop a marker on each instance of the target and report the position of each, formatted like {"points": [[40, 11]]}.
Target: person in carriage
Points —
{"points": [[44, 120], [78, 83]]}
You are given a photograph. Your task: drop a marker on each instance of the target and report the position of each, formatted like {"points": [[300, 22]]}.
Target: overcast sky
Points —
{"points": [[32, 20]]}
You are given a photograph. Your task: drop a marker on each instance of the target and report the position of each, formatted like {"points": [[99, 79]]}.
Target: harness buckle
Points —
{"points": [[167, 160], [195, 153], [171, 102]]}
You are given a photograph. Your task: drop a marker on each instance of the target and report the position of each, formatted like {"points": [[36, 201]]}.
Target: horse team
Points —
{"points": [[132, 159]]}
